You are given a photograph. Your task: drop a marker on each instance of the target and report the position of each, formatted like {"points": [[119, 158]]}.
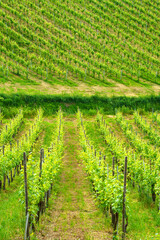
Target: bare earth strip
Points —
{"points": [[74, 214], [82, 88]]}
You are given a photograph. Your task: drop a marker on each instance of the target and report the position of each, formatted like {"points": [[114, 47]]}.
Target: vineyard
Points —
{"points": [[99, 174], [79, 120], [87, 46]]}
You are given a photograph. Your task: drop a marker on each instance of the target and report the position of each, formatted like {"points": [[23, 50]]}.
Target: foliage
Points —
{"points": [[145, 170], [69, 103], [8, 131], [13, 155], [147, 128], [108, 187], [91, 40], [40, 183]]}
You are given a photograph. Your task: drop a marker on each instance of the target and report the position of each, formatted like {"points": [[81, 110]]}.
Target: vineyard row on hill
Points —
{"points": [[97, 41]]}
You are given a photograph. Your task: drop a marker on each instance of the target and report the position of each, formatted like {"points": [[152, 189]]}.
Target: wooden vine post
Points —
{"points": [[41, 160], [104, 164], [11, 169], [100, 158], [3, 149], [113, 162], [26, 237], [114, 215], [124, 225], [1, 119], [42, 202], [4, 178], [0, 179]]}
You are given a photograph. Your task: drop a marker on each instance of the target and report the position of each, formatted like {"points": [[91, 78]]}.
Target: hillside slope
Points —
{"points": [[88, 46]]}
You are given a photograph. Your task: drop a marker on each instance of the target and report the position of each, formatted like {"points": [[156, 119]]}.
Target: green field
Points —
{"points": [[92, 47], [79, 119]]}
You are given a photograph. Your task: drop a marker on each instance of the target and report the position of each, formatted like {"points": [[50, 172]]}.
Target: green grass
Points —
{"points": [[12, 213], [49, 128], [144, 219]]}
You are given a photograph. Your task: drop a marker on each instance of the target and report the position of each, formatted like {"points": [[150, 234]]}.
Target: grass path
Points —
{"points": [[12, 215], [74, 214]]}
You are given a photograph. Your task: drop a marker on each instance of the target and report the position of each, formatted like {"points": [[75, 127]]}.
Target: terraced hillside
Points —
{"points": [[108, 47]]}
